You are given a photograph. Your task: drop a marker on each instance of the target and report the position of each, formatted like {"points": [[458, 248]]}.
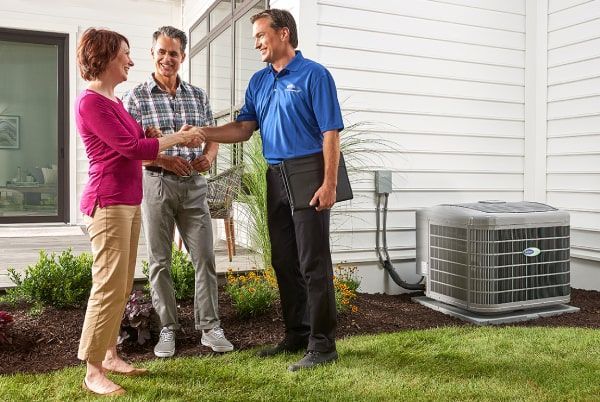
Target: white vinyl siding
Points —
{"points": [[444, 81], [135, 19], [573, 143]]}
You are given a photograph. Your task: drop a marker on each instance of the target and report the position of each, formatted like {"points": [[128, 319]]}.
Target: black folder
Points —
{"points": [[303, 177]]}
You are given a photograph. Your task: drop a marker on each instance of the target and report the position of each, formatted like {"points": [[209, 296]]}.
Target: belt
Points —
{"points": [[165, 172], [274, 167]]}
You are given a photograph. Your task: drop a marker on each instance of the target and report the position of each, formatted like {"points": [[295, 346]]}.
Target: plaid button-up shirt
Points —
{"points": [[152, 107]]}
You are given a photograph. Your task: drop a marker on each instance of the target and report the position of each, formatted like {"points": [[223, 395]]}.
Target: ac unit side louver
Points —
{"points": [[493, 256]]}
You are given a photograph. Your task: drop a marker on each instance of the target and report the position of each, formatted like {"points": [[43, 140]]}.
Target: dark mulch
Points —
{"points": [[49, 341]]}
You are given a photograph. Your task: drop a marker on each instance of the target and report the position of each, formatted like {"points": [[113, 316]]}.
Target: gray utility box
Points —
{"points": [[495, 256]]}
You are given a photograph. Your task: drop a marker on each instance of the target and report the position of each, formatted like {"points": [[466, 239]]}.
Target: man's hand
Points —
{"points": [[175, 164], [202, 163], [153, 132], [324, 198], [193, 136]]}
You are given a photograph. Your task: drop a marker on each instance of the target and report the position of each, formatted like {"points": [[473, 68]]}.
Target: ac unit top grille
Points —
{"points": [[505, 207]]}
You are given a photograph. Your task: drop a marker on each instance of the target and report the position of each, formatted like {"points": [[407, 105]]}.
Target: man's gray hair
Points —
{"points": [[173, 33]]}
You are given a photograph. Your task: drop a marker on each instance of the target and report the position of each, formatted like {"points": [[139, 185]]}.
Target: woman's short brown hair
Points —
{"points": [[97, 47]]}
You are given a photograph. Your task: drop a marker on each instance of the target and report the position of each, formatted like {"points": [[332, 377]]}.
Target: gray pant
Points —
{"points": [[168, 201]]}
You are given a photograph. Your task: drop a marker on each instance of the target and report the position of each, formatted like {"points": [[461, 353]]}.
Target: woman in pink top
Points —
{"points": [[115, 145]]}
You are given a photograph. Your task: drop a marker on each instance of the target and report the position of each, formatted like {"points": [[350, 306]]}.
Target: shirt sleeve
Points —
{"points": [[325, 103], [132, 106], [208, 111], [248, 110], [101, 119]]}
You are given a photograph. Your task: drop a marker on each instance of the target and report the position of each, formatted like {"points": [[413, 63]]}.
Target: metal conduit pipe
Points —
{"points": [[387, 262]]}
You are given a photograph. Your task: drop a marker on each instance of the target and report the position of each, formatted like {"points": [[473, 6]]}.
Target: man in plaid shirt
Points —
{"points": [[175, 192]]}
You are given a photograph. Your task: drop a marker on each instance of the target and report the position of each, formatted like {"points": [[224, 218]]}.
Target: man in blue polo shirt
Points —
{"points": [[293, 101]]}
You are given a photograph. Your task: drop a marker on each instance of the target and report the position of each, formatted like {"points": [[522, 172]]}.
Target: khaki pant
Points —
{"points": [[114, 232]]}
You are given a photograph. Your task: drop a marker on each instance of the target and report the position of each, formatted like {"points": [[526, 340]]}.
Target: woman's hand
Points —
{"points": [[192, 136]]}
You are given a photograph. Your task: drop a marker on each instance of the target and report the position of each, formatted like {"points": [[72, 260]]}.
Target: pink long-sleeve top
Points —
{"points": [[115, 146]]}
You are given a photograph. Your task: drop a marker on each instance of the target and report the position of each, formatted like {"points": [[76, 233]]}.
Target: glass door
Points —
{"points": [[33, 127]]}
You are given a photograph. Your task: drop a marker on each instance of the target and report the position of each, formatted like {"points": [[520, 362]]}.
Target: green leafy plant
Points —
{"points": [[182, 273], [62, 282], [252, 294], [6, 321], [254, 196], [346, 285], [137, 318]]}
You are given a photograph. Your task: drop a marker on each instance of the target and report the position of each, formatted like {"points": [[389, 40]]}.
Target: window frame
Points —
{"points": [[236, 13], [61, 41]]}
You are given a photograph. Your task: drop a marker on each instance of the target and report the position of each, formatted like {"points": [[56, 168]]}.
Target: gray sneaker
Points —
{"points": [[166, 343], [215, 339]]}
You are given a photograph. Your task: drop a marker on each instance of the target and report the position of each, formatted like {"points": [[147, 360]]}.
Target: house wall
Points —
{"points": [[476, 109], [573, 141], [445, 83], [136, 19]]}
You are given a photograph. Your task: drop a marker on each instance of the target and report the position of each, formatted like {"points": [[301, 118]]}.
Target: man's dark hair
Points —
{"points": [[171, 32], [280, 19]]}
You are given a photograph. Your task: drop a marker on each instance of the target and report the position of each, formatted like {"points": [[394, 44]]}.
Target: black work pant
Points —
{"points": [[302, 262]]}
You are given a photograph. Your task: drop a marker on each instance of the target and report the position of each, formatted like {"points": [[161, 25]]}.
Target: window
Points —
{"points": [[33, 127], [199, 62], [220, 71], [247, 59], [222, 61]]}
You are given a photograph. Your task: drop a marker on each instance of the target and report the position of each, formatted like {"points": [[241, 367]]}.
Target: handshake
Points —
{"points": [[188, 136]]}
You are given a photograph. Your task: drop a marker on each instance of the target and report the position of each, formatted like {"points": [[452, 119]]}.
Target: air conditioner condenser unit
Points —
{"points": [[494, 256]]}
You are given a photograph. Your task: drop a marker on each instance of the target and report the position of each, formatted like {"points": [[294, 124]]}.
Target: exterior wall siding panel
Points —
{"points": [[443, 81], [573, 151]]}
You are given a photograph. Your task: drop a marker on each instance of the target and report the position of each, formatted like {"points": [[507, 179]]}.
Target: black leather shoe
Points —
{"points": [[313, 358], [285, 346]]}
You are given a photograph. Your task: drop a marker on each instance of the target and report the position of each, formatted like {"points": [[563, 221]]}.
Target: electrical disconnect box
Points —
{"points": [[383, 181]]}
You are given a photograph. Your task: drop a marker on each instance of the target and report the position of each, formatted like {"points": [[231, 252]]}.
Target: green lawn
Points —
{"points": [[466, 363]]}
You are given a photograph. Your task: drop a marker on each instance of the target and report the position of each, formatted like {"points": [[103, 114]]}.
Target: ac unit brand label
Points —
{"points": [[531, 251]]}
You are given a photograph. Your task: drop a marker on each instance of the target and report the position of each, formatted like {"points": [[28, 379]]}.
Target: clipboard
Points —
{"points": [[303, 176]]}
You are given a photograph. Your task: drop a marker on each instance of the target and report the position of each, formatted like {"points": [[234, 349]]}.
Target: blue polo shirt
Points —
{"points": [[293, 108]]}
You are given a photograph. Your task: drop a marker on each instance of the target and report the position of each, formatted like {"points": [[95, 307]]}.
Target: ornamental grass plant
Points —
{"points": [[254, 196]]}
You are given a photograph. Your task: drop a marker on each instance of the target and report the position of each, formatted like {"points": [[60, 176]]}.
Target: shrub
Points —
{"points": [[59, 282], [136, 318], [252, 294], [346, 284], [182, 273], [6, 321]]}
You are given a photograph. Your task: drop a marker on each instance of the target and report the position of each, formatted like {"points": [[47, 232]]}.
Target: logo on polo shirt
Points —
{"points": [[292, 88]]}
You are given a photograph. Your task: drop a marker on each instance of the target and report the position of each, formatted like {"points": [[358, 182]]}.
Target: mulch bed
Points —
{"points": [[49, 341]]}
